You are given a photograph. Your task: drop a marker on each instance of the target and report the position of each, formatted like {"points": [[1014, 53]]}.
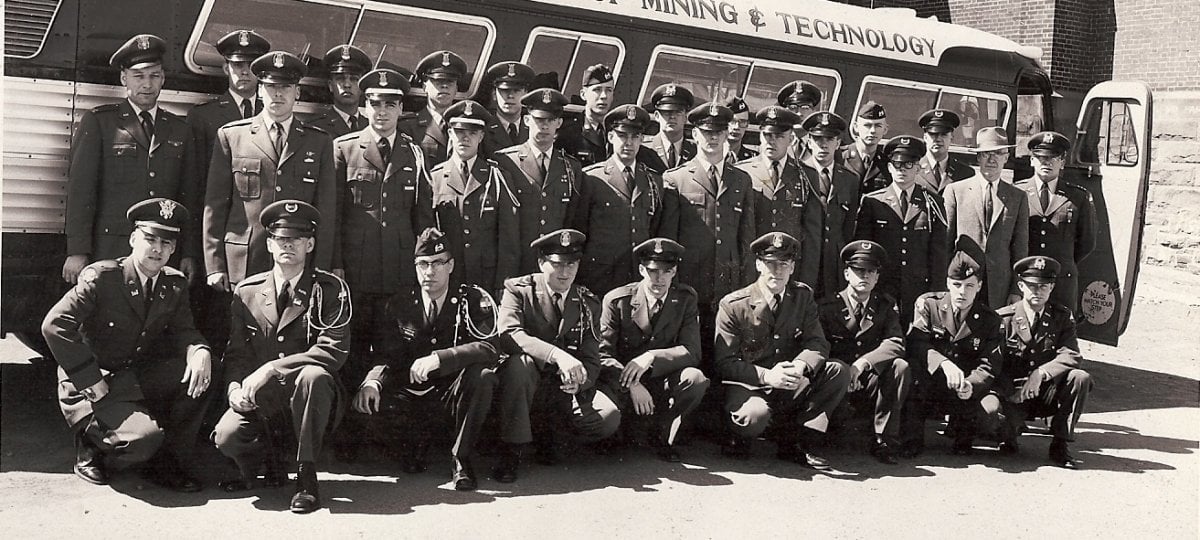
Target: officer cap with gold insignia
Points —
{"points": [[662, 253], [871, 111], [627, 119], [776, 119], [864, 254], [142, 50], [442, 65], [671, 97], [1037, 269], [597, 74], [1049, 144], [242, 46], [799, 93], [468, 114], [347, 59], [161, 217], [904, 148], [278, 67], [990, 139], [384, 83], [431, 242], [939, 121], [290, 219], [545, 103], [711, 117], [776, 246], [510, 75], [962, 266], [563, 245], [824, 124], [737, 105]]}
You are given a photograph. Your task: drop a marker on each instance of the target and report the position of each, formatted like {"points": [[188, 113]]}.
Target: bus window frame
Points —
{"points": [[750, 61], [938, 90], [579, 38], [45, 35]]}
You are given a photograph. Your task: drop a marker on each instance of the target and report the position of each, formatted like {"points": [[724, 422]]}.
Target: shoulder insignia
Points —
{"points": [[173, 272], [348, 137], [255, 279], [238, 123], [1006, 311], [92, 271], [108, 107], [801, 285], [312, 127], [593, 167]]}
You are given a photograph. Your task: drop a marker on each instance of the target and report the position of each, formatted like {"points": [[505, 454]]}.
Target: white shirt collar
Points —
{"points": [[441, 300], [391, 139], [1052, 185], [278, 277], [142, 277], [458, 163], [897, 191], [287, 124], [649, 296], [720, 165], [137, 111]]}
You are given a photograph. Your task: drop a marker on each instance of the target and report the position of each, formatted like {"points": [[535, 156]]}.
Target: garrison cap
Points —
{"points": [[278, 67], [939, 121], [347, 59], [242, 46], [545, 103], [442, 65], [864, 254], [990, 139], [510, 75], [671, 97], [737, 105], [659, 250], [161, 217], [627, 119], [711, 116], [776, 119], [1049, 143], [963, 266], [290, 219], [597, 74], [871, 111], [563, 245], [776, 246], [468, 114], [1037, 269], [431, 242], [799, 93], [904, 148], [824, 124], [142, 50], [384, 83]]}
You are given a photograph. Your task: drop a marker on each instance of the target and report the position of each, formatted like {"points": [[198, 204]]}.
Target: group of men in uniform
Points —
{"points": [[562, 273]]}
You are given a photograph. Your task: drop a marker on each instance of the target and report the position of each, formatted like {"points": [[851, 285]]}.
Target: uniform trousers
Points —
{"points": [[1062, 399], [930, 396], [749, 412], [367, 308], [883, 392], [675, 395], [532, 402]]}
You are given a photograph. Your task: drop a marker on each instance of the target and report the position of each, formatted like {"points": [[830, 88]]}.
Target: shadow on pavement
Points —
{"points": [[1123, 388]]}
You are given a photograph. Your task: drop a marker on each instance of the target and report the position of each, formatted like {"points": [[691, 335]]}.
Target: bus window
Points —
{"points": [[406, 35], [559, 57], [905, 103], [767, 79], [305, 29], [975, 112], [708, 78], [1029, 120], [1108, 132]]}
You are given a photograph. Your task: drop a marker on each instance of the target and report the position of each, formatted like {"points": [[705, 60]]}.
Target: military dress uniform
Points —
{"points": [[871, 168], [506, 75], [936, 176], [662, 155], [802, 98], [838, 193], [429, 129], [247, 174], [735, 155], [585, 141], [353, 61], [206, 118]]}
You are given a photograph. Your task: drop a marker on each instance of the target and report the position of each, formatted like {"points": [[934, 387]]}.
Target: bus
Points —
{"points": [[56, 68]]}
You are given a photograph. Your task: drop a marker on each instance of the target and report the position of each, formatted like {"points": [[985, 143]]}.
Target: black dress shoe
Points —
{"points": [[883, 453], [962, 447], [166, 472], [1008, 448], [506, 470], [89, 462], [235, 485], [307, 497], [464, 475], [1061, 456], [736, 448], [798, 454]]}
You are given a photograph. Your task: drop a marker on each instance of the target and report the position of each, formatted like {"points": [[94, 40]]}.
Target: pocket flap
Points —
{"points": [[247, 165]]}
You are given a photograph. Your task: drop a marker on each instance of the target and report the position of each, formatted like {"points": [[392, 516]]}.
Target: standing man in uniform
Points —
{"points": [[439, 73], [671, 147], [586, 139], [549, 324], [864, 156], [239, 48], [650, 346], [257, 161], [802, 98], [993, 214], [508, 82], [386, 200], [475, 204], [132, 368], [288, 336], [738, 152], [838, 192], [783, 190], [346, 64], [863, 329], [907, 220], [621, 204], [124, 153], [1062, 217], [1041, 374], [939, 169], [772, 357], [547, 180]]}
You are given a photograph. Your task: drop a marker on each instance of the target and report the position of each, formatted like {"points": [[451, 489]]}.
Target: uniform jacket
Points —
{"points": [[546, 206], [114, 165], [915, 242], [1049, 343], [1004, 241], [741, 154], [749, 334], [956, 170], [654, 143], [432, 138], [672, 337], [383, 207], [879, 339], [716, 228], [833, 225], [615, 223], [101, 327], [785, 207], [588, 146], [331, 122], [246, 176], [976, 346], [205, 119], [497, 138], [1066, 231], [872, 177], [530, 326], [479, 216]]}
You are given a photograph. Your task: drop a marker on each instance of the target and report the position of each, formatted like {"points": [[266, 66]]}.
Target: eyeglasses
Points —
{"points": [[427, 265], [903, 165]]}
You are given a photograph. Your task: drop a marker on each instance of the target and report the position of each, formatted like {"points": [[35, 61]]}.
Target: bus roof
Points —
{"points": [[896, 34]]}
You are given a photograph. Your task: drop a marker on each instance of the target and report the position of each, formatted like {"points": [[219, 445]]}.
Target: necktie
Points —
{"points": [[352, 122], [512, 132], [671, 156], [774, 174], [655, 308], [858, 315], [431, 313], [1045, 197], [247, 109], [148, 292], [466, 173], [937, 175], [776, 300], [541, 162], [385, 151], [712, 178], [628, 181], [285, 296], [147, 125], [903, 203], [987, 204], [278, 139], [558, 305], [825, 182]]}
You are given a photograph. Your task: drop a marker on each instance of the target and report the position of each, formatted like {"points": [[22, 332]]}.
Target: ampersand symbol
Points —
{"points": [[756, 19]]}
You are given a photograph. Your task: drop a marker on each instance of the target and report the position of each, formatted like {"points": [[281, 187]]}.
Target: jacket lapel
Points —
{"points": [[571, 312], [1057, 199], [871, 309], [293, 141], [760, 307], [261, 137], [640, 310], [266, 302], [133, 125], [369, 145], [1024, 323], [133, 288], [299, 301], [545, 299]]}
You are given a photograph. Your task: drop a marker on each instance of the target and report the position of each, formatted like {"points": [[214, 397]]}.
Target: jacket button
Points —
{"points": [[280, 338], [278, 188], [151, 174], [281, 355], [151, 193]]}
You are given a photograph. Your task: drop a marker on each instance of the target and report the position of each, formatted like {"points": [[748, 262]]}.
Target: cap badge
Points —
{"points": [[905, 141], [631, 113], [865, 245], [564, 238], [1039, 263], [772, 113], [278, 60], [777, 241], [291, 207], [467, 109], [1048, 138], [658, 246], [669, 90], [512, 70], [712, 110], [938, 114], [143, 42], [346, 52], [969, 272], [825, 119], [546, 96], [439, 247], [445, 58], [166, 208], [383, 79], [244, 38]]}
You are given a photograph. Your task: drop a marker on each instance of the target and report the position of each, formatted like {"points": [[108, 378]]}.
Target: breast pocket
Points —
{"points": [[247, 177], [364, 187], [171, 150], [694, 199], [124, 150]]}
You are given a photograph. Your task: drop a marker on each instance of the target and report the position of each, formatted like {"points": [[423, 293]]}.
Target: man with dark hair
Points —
{"points": [[346, 65], [586, 139], [670, 104], [508, 82], [738, 152], [837, 191]]}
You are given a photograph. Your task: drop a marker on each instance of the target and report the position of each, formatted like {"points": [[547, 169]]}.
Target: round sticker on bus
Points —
{"points": [[1099, 303]]}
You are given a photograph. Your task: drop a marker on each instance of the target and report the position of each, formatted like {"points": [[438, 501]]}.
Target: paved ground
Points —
{"points": [[1139, 441]]}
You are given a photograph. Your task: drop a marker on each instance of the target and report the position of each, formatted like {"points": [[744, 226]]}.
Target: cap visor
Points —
{"points": [[144, 64], [776, 129], [938, 129], [161, 232], [241, 57], [777, 257], [905, 156], [1038, 279], [277, 79], [669, 107], [1045, 153], [713, 127], [865, 265], [655, 264], [626, 128], [542, 113], [291, 232], [442, 76], [563, 257]]}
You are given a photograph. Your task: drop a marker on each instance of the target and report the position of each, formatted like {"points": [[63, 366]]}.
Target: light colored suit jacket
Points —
{"points": [[1004, 241]]}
